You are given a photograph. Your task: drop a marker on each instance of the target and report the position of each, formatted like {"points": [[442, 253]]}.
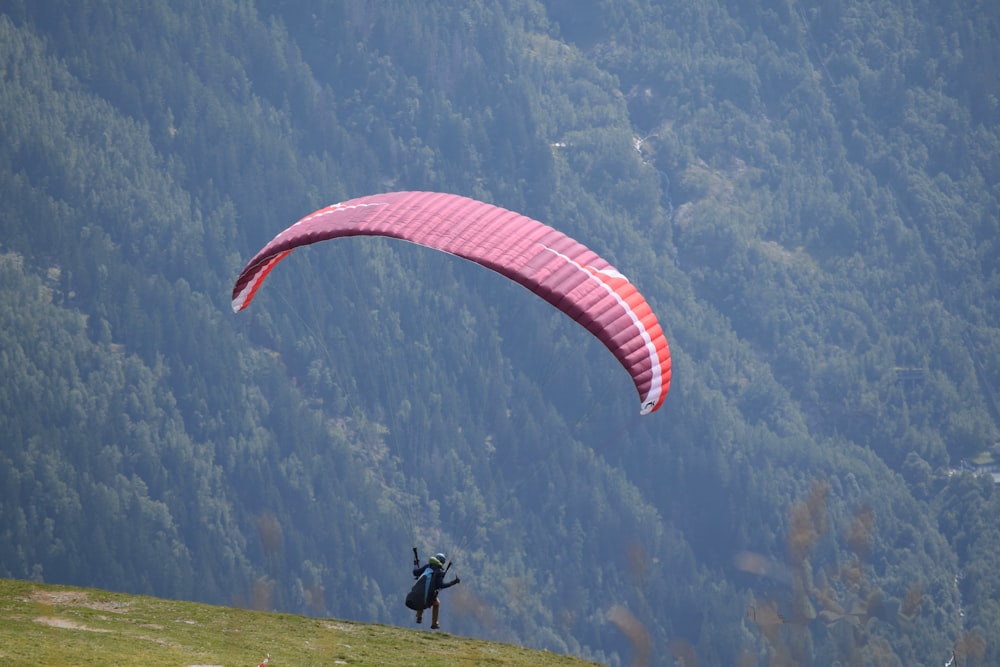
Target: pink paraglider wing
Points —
{"points": [[554, 266]]}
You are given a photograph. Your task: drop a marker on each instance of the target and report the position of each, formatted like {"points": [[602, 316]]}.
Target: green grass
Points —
{"points": [[42, 624]]}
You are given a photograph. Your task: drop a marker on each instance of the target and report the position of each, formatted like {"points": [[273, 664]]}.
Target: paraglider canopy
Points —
{"points": [[559, 269]]}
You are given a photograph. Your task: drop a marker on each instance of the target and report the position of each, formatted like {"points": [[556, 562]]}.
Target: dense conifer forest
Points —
{"points": [[808, 193]]}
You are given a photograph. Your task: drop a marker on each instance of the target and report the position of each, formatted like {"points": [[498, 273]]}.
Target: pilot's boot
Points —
{"points": [[434, 615]]}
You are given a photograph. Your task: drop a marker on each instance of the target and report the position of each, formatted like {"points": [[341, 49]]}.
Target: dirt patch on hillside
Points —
{"points": [[65, 623], [77, 599]]}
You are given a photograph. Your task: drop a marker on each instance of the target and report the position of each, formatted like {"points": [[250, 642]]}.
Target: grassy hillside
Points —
{"points": [[62, 625]]}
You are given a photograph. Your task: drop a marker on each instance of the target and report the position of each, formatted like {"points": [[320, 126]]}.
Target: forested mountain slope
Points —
{"points": [[806, 193]]}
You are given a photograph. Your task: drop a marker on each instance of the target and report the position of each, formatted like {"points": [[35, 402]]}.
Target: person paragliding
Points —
{"points": [[430, 581]]}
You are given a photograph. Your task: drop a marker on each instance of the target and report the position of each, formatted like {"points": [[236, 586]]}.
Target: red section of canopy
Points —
{"points": [[557, 268]]}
